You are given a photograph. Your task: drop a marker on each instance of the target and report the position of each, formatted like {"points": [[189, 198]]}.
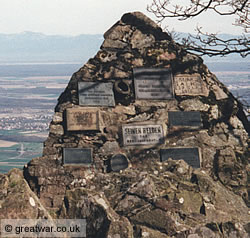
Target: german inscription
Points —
{"points": [[77, 156], [118, 162], [81, 119], [96, 94], [185, 119], [153, 83], [190, 155], [142, 134], [190, 84]]}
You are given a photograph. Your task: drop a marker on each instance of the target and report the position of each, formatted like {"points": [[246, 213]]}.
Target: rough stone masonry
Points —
{"points": [[136, 81]]}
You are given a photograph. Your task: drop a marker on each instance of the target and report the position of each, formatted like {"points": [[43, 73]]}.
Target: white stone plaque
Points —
{"points": [[142, 135]]}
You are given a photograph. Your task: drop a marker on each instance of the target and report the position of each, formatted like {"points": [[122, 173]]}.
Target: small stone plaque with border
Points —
{"points": [[153, 83], [96, 94], [190, 155], [82, 119], [118, 162], [190, 85], [77, 156], [142, 135], [189, 119]]}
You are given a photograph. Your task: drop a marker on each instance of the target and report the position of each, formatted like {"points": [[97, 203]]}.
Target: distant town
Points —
{"points": [[39, 123]]}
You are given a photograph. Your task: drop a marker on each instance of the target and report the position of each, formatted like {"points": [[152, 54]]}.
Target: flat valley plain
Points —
{"points": [[28, 96]]}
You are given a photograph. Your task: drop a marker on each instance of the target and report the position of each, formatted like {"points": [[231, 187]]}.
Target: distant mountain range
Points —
{"points": [[38, 47]]}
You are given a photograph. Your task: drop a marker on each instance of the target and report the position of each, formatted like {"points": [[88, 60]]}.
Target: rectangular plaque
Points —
{"points": [[96, 94], [190, 155], [77, 156], [185, 119], [153, 83], [142, 134], [82, 119], [190, 84]]}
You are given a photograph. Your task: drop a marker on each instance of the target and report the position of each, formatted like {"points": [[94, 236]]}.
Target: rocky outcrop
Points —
{"points": [[150, 198], [17, 201], [158, 203]]}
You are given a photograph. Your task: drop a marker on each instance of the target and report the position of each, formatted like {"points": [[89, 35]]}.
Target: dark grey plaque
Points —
{"points": [[96, 94], [79, 156], [142, 134], [153, 83], [190, 155], [185, 119], [118, 162]]}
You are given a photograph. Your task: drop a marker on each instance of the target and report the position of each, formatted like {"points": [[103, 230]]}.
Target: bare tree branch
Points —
{"points": [[205, 43]]}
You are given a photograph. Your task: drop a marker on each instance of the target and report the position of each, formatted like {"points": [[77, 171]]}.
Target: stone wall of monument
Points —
{"points": [[125, 123]]}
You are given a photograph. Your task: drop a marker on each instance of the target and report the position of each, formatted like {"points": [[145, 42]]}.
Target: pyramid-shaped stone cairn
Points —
{"points": [[141, 102]]}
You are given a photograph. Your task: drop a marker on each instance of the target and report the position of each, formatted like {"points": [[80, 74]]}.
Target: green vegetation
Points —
{"points": [[15, 159]]}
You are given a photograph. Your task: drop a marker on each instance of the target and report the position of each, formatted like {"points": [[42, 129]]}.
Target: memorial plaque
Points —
{"points": [[96, 94], [118, 162], [190, 155], [153, 83], [77, 156], [190, 84], [81, 119], [142, 134], [185, 119]]}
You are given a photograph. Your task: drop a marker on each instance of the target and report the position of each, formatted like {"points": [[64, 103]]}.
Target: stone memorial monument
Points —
{"points": [[122, 106]]}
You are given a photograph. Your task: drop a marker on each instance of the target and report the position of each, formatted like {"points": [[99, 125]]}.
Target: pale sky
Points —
{"points": [[74, 17]]}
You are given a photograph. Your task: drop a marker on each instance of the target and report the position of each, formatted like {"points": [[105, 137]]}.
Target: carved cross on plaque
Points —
{"points": [[190, 155], [153, 83]]}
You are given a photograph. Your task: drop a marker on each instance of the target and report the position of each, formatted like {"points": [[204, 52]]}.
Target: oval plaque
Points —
{"points": [[118, 162]]}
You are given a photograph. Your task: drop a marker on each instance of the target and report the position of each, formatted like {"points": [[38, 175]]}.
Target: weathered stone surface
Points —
{"points": [[193, 105], [140, 40], [219, 93], [17, 201], [102, 220], [58, 117], [56, 129]]}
